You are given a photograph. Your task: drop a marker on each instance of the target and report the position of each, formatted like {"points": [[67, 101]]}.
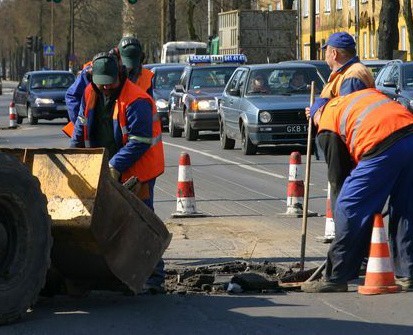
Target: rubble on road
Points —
{"points": [[232, 277]]}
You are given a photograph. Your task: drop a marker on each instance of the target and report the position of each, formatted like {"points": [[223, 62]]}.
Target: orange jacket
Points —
{"points": [[145, 80], [152, 163], [364, 119]]}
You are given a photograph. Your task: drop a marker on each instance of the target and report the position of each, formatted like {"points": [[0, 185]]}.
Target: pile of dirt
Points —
{"points": [[233, 277]]}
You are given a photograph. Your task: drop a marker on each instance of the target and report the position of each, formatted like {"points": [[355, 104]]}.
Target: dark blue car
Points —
{"points": [[265, 105], [164, 80], [41, 95]]}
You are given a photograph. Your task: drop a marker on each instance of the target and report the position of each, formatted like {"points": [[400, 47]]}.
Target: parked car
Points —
{"points": [[193, 101], [41, 95], [374, 65], [321, 66], [164, 80], [271, 115], [395, 80]]}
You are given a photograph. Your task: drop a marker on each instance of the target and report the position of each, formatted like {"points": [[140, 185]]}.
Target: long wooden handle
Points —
{"points": [[307, 181]]}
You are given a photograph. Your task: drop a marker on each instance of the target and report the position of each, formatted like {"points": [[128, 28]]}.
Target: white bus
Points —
{"points": [[178, 51]]}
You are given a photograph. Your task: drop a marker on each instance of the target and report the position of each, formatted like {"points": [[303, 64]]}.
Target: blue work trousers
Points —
{"points": [[364, 193]]}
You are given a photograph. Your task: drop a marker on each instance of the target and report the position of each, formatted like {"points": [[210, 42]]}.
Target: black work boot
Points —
{"points": [[323, 286]]}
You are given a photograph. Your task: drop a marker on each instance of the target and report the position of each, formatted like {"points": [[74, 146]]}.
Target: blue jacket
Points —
{"points": [[75, 92]]}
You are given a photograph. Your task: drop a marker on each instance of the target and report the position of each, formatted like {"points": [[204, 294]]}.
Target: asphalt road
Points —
{"points": [[241, 197]]}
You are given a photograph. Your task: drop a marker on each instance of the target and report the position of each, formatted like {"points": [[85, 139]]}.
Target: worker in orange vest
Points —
{"points": [[132, 55], [367, 139], [121, 117]]}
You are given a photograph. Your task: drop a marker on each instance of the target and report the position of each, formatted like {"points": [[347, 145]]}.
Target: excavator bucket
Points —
{"points": [[104, 237]]}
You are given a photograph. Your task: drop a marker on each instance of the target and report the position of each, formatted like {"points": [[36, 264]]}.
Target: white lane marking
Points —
{"points": [[247, 167], [336, 308]]}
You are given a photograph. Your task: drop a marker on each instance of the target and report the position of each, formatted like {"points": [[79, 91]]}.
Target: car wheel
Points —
{"points": [[226, 142], [248, 148], [19, 119], [25, 239], [173, 130], [190, 133], [32, 120]]}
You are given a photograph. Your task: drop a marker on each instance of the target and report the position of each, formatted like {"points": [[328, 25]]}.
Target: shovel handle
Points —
{"points": [[307, 181]]}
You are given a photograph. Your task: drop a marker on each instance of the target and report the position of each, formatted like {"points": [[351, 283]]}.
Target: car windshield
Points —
{"points": [[284, 81], [408, 76], [167, 78], [374, 69], [51, 80], [210, 77]]}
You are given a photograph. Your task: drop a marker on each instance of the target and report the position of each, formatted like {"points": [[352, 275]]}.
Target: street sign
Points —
{"points": [[48, 50]]}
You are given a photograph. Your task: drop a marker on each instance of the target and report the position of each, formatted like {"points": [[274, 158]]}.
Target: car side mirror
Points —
{"points": [[21, 87], [179, 88], [234, 92], [389, 84]]}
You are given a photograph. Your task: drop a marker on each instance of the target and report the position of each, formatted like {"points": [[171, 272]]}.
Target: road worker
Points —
{"points": [[348, 73], [121, 117], [367, 138], [130, 50]]}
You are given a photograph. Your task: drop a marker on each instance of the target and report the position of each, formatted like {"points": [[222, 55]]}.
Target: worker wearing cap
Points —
{"points": [[368, 138], [348, 73], [132, 56], [118, 115]]}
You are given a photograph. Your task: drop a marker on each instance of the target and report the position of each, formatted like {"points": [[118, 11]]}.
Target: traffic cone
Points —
{"points": [[379, 273], [295, 188], [329, 231], [12, 116], [185, 195]]}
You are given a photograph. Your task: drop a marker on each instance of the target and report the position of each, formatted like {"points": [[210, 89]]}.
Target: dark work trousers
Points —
{"points": [[157, 277], [364, 193]]}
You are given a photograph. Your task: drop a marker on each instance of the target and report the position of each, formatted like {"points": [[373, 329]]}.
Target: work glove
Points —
{"points": [[115, 174]]}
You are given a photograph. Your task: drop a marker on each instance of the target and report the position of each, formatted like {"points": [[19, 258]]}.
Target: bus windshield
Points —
{"points": [[178, 51]]}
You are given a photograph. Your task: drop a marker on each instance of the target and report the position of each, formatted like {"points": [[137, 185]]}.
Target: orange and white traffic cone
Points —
{"points": [[329, 231], [185, 195], [379, 273], [295, 188], [12, 116]]}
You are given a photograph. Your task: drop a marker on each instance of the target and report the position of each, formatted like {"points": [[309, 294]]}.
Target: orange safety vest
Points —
{"points": [[145, 79], [363, 119], [152, 163]]}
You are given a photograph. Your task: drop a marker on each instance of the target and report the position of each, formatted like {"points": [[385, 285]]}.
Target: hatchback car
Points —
{"points": [[268, 113], [41, 95], [193, 101], [163, 81], [395, 80]]}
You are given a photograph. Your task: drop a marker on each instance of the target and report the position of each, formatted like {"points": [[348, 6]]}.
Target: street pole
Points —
{"points": [[313, 51], [163, 21], [72, 35], [357, 25], [51, 58], [299, 32]]}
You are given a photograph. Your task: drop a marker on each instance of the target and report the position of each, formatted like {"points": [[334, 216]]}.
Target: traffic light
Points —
{"points": [[29, 42], [132, 1]]}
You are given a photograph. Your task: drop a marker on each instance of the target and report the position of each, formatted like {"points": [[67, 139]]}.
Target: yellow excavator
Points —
{"points": [[65, 224]]}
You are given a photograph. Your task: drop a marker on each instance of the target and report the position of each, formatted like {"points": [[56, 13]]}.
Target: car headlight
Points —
{"points": [[161, 104], [204, 105], [265, 117], [43, 101], [411, 103]]}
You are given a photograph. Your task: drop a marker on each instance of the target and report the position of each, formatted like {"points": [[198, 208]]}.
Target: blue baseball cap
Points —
{"points": [[341, 40], [318, 103]]}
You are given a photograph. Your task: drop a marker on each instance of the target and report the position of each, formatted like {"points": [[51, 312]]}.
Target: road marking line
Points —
{"points": [[247, 167], [344, 312]]}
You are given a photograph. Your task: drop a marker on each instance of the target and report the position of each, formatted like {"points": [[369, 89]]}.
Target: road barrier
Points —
{"points": [[329, 231]]}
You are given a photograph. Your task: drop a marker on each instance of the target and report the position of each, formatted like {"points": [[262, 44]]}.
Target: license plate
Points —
{"points": [[296, 128]]}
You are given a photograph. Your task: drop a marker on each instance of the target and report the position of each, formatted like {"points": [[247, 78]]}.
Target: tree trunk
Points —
{"points": [[190, 6], [172, 21], [127, 18], [407, 13], [388, 29]]}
